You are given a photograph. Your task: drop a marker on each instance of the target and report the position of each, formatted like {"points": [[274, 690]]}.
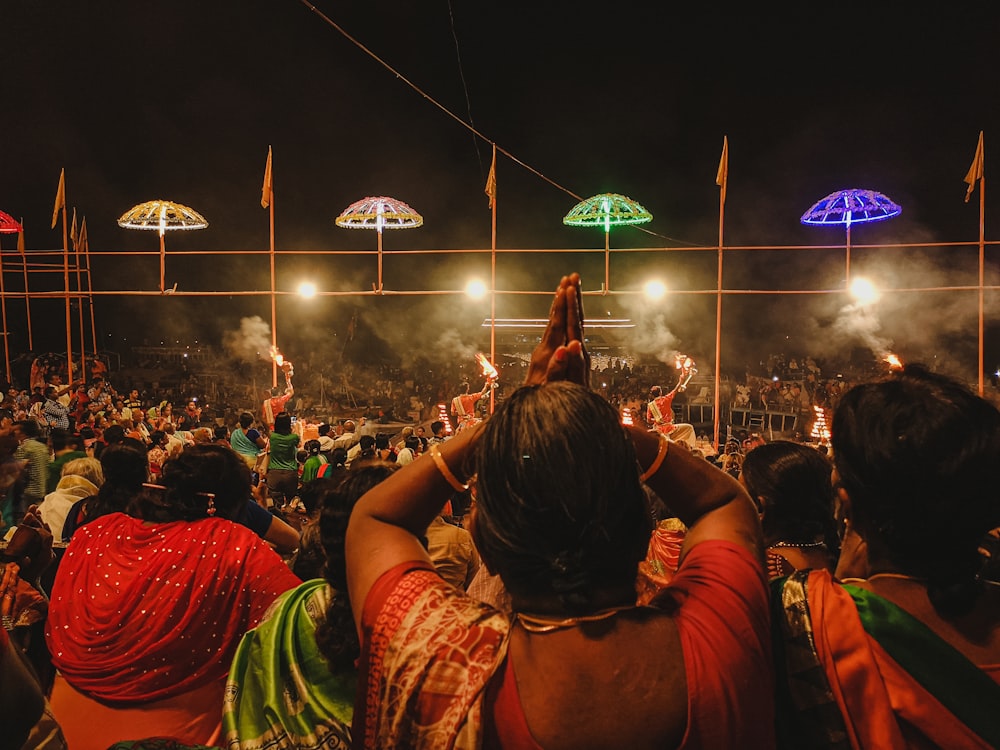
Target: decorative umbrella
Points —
{"points": [[849, 207], [379, 213], [162, 217], [607, 210], [8, 224]]}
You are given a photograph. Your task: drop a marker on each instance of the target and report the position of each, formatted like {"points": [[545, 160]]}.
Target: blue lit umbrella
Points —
{"points": [[847, 207]]}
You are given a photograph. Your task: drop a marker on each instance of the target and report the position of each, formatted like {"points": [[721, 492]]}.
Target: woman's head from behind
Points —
{"points": [[916, 455], [125, 467], [202, 480], [560, 513], [337, 639], [283, 423], [791, 485]]}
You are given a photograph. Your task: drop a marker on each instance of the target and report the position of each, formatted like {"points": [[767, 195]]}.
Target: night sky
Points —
{"points": [[180, 101]]}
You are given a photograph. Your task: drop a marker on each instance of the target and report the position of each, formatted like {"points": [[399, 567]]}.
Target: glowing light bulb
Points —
{"points": [[307, 289], [655, 289], [475, 289], [864, 291]]}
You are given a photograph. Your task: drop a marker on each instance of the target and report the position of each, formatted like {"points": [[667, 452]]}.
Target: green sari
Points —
{"points": [[280, 692]]}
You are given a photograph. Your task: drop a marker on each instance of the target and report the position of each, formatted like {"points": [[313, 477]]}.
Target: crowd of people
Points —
{"points": [[546, 576]]}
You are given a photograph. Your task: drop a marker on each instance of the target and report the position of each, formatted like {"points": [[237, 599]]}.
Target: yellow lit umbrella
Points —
{"points": [[162, 217], [379, 213]]}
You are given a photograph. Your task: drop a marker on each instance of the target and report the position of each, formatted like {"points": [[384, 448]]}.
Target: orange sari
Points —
{"points": [[857, 671]]}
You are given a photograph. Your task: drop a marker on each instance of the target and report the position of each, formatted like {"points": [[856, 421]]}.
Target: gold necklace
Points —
{"points": [[542, 624], [798, 545], [897, 576]]}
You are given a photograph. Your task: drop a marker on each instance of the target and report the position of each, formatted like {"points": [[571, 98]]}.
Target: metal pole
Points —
{"points": [[27, 302], [982, 261], [6, 330], [493, 288], [69, 318], [163, 257], [607, 260], [847, 270], [274, 307], [718, 331], [79, 297]]}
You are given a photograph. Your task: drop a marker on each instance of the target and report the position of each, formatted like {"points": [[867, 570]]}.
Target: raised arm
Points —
{"points": [[707, 500], [561, 355], [388, 521]]}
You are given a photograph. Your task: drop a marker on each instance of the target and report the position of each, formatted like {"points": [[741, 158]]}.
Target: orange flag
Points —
{"points": [[60, 198], [20, 240], [491, 180], [84, 241], [266, 191], [72, 231], [722, 176], [976, 170]]}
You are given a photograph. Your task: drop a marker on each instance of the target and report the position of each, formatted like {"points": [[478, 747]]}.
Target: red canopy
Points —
{"points": [[8, 225]]}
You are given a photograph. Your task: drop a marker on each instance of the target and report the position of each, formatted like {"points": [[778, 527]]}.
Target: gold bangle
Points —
{"points": [[445, 471], [661, 453]]}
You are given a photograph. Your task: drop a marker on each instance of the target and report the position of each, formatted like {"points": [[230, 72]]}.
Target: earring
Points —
{"points": [[210, 510]]}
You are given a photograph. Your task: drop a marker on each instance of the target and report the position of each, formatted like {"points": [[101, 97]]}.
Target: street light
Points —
{"points": [[654, 289], [476, 289], [864, 291]]}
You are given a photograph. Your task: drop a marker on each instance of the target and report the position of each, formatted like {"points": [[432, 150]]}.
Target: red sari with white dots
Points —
{"points": [[144, 621]]}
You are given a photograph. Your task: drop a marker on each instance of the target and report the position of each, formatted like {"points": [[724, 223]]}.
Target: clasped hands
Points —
{"points": [[561, 354]]}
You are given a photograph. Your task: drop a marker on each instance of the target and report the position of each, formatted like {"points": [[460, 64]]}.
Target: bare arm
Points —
{"points": [[388, 520], [708, 501], [282, 536]]}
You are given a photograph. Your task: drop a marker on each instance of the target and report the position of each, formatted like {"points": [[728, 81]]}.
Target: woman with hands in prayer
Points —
{"points": [[562, 517]]}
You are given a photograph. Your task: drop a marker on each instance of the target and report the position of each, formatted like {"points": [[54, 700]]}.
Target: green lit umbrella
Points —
{"points": [[607, 210]]}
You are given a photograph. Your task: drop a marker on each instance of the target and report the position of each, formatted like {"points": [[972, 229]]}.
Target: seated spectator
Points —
{"points": [[904, 651], [561, 515], [365, 448], [81, 478], [307, 647], [790, 483], [157, 452], [23, 604], [326, 443], [409, 451], [383, 451], [125, 468], [148, 656], [247, 441], [452, 551], [65, 448], [314, 460]]}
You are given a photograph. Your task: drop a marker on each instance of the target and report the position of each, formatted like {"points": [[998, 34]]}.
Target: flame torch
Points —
{"points": [[489, 371], [686, 365], [283, 363], [895, 364]]}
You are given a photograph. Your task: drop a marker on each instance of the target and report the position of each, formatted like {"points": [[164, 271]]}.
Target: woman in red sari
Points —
{"points": [[561, 516], [147, 610], [904, 651]]}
